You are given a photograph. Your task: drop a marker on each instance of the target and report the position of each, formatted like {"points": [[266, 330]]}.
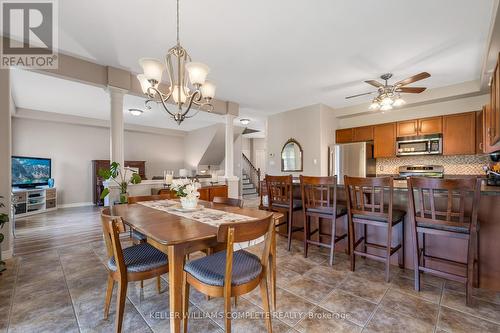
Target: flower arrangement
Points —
{"points": [[187, 191]]}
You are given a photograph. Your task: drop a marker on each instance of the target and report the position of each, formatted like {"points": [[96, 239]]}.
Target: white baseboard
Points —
{"points": [[76, 204], [7, 254]]}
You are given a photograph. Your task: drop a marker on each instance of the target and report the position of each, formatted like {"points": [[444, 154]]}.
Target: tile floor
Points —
{"points": [[62, 290]]}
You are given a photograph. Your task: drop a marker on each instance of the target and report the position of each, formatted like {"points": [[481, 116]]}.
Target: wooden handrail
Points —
{"points": [[255, 171]]}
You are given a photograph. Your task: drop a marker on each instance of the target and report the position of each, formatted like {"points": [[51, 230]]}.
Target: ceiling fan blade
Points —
{"points": [[368, 93], [414, 78], [411, 90], [374, 83]]}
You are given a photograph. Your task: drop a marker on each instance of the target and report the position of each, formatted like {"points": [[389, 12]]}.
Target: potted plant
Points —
{"points": [[119, 175], [187, 191], [4, 218]]}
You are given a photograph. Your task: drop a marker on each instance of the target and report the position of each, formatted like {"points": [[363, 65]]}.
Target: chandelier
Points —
{"points": [[182, 92]]}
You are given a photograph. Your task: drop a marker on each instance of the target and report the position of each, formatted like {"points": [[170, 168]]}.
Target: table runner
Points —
{"points": [[210, 216]]}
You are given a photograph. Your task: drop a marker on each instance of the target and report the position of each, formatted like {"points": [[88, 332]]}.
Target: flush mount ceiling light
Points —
{"points": [[182, 92], [135, 112], [389, 95], [245, 121]]}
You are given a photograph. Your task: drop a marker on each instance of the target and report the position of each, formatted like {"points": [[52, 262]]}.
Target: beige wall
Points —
{"points": [[312, 126], [73, 147], [5, 153]]}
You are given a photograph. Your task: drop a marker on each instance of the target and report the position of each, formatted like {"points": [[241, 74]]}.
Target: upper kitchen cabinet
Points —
{"points": [[360, 134], [423, 126], [384, 140], [344, 135], [495, 107], [459, 134], [407, 128]]}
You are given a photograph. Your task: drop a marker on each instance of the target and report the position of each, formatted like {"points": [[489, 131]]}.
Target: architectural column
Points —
{"points": [[229, 161], [6, 110], [116, 125], [233, 184]]}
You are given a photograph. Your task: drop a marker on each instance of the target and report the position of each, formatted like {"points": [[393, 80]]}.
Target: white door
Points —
{"points": [[260, 161]]}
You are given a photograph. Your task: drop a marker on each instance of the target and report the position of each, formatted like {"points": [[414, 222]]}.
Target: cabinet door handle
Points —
{"points": [[480, 145]]}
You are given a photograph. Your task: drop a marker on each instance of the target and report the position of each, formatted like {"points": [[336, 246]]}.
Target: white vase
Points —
{"points": [[189, 203]]}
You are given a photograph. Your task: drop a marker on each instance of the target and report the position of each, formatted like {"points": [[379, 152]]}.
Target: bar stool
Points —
{"points": [[319, 200], [449, 208], [280, 196], [366, 206]]}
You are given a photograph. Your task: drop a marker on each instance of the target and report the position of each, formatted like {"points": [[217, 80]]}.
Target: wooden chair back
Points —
{"points": [[231, 233], [263, 193], [166, 192], [366, 196], [141, 198], [228, 201], [319, 192], [112, 226], [279, 190], [459, 196]]}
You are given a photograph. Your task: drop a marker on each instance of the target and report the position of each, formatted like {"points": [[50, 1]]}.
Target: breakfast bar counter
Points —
{"points": [[453, 249]]}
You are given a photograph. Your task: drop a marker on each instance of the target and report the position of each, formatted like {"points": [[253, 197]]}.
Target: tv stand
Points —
{"points": [[31, 201]]}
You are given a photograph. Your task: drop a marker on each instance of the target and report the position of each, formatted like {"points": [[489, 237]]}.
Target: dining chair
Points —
{"points": [[135, 263], [366, 207], [319, 201], [233, 202], [231, 273], [445, 208], [136, 236], [280, 197]]}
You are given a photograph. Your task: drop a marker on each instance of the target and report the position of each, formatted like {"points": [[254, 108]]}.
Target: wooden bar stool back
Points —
{"points": [[319, 200], [136, 263], [232, 273], [280, 197], [448, 208], [366, 205]]}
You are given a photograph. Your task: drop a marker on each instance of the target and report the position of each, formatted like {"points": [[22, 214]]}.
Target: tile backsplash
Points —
{"points": [[453, 165]]}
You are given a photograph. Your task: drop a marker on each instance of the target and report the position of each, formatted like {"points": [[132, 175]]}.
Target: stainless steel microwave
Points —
{"points": [[419, 145]]}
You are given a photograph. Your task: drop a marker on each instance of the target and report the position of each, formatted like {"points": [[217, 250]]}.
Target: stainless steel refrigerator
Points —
{"points": [[351, 159]]}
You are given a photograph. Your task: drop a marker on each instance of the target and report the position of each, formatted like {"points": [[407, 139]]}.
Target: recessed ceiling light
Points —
{"points": [[245, 121], [135, 112]]}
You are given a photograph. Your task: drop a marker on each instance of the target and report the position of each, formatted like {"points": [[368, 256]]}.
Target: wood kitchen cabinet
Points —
{"points": [[360, 134], [424, 126], [384, 140], [483, 131], [344, 135], [459, 134], [494, 128]]}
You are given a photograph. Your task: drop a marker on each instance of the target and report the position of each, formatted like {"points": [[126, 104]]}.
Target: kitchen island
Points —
{"points": [[453, 249]]}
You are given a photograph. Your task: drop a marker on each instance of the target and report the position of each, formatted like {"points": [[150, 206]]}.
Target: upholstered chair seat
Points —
{"points": [[341, 210], [140, 258], [211, 269], [397, 215]]}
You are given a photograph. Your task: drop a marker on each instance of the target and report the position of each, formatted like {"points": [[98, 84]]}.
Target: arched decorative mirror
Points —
{"points": [[291, 156]]}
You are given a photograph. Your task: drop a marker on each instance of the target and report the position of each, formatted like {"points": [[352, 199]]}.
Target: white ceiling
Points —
{"points": [[268, 56], [277, 55]]}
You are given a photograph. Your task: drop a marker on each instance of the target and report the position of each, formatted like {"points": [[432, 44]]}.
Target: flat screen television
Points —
{"points": [[30, 171]]}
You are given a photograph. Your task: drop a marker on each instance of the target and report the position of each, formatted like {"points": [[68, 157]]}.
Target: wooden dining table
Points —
{"points": [[177, 236]]}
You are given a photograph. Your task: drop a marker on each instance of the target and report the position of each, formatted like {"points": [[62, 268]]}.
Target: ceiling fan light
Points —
{"points": [[386, 101], [386, 107], [374, 106], [399, 102]]}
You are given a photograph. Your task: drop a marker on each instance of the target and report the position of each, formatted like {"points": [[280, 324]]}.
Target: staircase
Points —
{"points": [[248, 189]]}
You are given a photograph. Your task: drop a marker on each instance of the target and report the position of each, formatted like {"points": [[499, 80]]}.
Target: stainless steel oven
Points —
{"points": [[419, 145]]}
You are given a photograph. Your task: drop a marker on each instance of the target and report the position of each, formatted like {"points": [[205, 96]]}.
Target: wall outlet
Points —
{"points": [[381, 168]]}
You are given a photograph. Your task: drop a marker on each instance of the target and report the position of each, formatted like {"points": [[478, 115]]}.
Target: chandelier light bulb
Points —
{"points": [[197, 72], [175, 94], [152, 68], [208, 89]]}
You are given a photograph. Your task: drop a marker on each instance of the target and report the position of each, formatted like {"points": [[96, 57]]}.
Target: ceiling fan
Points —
{"points": [[389, 95]]}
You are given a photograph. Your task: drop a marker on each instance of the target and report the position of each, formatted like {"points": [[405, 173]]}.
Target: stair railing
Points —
{"points": [[252, 172]]}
